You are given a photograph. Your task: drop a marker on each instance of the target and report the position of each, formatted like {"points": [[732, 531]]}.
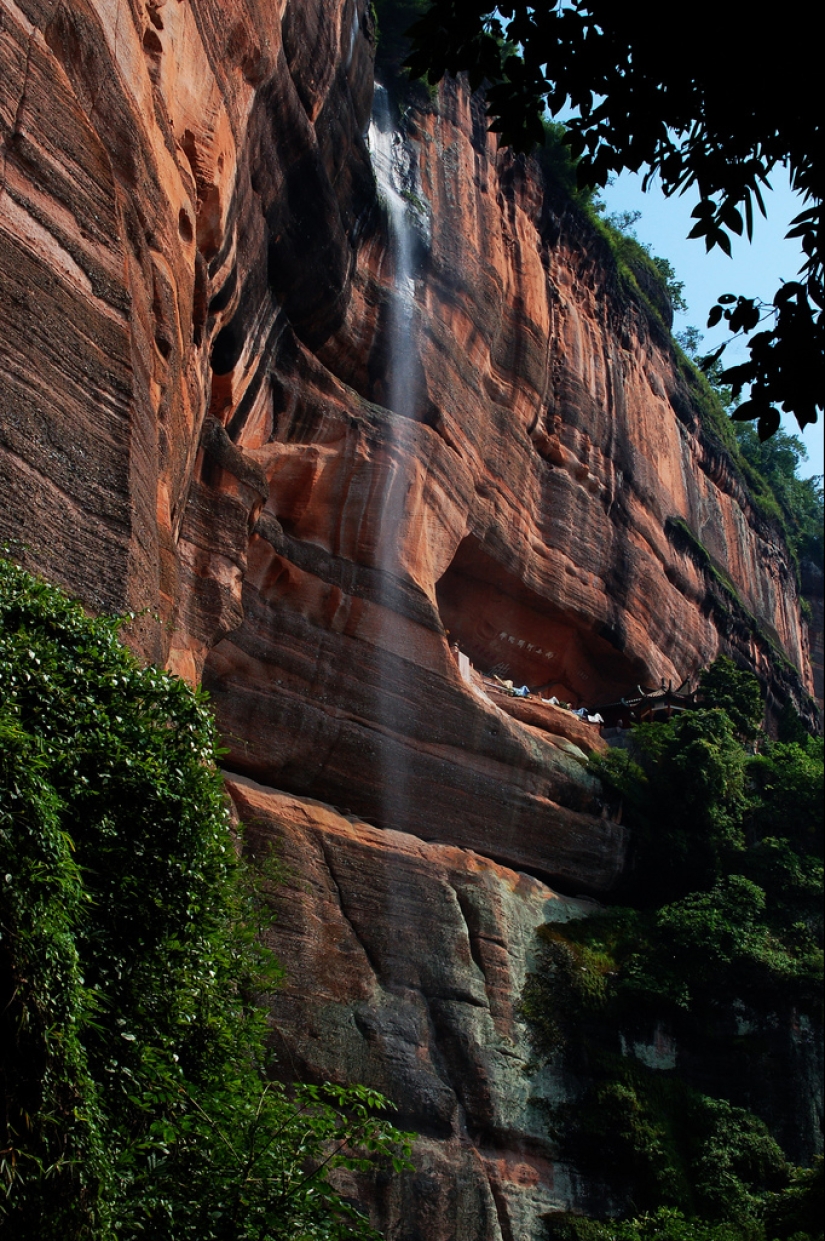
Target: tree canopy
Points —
{"points": [[711, 105]]}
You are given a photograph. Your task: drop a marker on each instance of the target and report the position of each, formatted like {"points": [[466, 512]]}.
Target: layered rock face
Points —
{"points": [[812, 591], [404, 964], [323, 427], [149, 152]]}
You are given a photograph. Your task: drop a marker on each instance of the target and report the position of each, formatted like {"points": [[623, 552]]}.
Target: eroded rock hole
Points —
{"points": [[164, 345], [510, 631], [185, 226], [209, 209], [152, 44], [209, 221]]}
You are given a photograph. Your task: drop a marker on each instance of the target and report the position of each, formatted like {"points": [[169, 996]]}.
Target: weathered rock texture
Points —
{"points": [[812, 590], [404, 964], [199, 339]]}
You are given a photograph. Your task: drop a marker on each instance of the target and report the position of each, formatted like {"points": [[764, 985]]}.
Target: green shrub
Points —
{"points": [[695, 766], [134, 1071], [665, 1224], [737, 693], [667, 1018]]}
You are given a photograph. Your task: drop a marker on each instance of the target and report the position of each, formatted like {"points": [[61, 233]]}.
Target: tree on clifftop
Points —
{"points": [[712, 103]]}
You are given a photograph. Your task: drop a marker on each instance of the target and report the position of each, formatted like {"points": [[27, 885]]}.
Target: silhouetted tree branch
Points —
{"points": [[712, 101]]}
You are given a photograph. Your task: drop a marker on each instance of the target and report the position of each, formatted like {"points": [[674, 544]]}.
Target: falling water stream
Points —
{"points": [[398, 716], [392, 163]]}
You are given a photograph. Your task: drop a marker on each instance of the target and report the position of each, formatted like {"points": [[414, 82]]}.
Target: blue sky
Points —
{"points": [[755, 269]]}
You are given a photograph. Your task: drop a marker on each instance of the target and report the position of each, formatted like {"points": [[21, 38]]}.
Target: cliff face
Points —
{"points": [[404, 963], [143, 147], [812, 592], [322, 429]]}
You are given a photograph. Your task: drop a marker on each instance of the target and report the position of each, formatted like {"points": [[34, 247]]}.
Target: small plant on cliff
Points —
{"points": [[134, 1064], [638, 257], [672, 1010], [778, 460]]}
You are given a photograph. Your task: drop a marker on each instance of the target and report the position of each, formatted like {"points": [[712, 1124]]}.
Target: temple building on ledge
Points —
{"points": [[647, 706]]}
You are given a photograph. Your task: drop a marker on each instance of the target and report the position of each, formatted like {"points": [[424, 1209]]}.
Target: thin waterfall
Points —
{"points": [[391, 162]]}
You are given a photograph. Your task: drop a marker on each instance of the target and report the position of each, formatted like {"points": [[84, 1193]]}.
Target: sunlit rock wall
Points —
{"points": [[549, 499], [812, 592], [157, 160]]}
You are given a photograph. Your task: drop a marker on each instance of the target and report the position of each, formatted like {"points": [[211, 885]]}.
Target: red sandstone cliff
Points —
{"points": [[200, 415]]}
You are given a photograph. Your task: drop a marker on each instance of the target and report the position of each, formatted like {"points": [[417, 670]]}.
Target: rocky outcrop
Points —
{"points": [[160, 164], [404, 964]]}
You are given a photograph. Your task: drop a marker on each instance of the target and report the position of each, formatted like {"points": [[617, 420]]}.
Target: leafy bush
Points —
{"points": [[134, 1053], [649, 274], [665, 1224], [737, 693], [694, 766], [668, 1017]]}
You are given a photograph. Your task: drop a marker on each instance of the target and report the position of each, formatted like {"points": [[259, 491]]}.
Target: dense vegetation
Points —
{"points": [[134, 1076], [680, 1010], [683, 1014], [771, 467]]}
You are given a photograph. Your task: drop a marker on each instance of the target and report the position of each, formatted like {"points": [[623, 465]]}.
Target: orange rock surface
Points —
{"points": [[417, 953]]}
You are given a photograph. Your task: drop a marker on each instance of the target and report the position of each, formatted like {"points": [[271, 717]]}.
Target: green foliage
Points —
{"points": [[737, 693], [644, 275], [801, 500], [53, 1117], [134, 1053], [674, 286], [653, 1011], [712, 945], [558, 166], [690, 340], [653, 275], [692, 118], [665, 1224], [695, 767], [676, 1147], [798, 1211], [254, 1162], [787, 792]]}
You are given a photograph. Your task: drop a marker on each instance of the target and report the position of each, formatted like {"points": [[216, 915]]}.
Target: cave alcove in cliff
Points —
{"points": [[510, 631]]}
